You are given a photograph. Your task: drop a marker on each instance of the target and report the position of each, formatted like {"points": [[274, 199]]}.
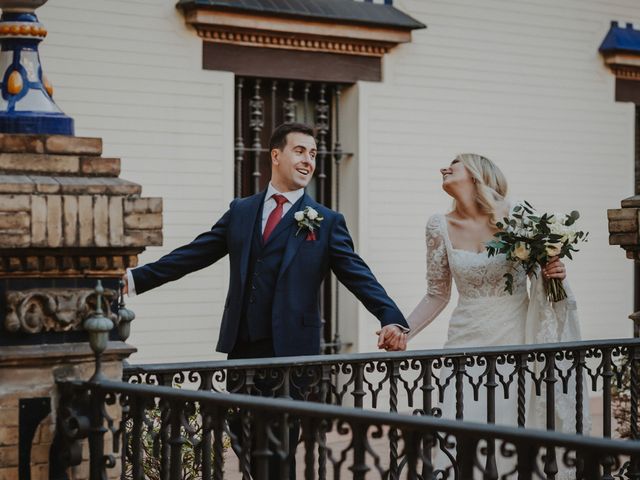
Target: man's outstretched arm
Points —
{"points": [[203, 251]]}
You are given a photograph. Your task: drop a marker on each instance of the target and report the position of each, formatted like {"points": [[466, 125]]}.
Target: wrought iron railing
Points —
{"points": [[548, 374], [195, 426]]}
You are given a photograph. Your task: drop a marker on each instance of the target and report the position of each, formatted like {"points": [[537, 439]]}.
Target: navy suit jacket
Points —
{"points": [[295, 319]]}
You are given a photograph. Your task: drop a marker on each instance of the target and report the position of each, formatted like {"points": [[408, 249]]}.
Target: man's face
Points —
{"points": [[293, 166]]}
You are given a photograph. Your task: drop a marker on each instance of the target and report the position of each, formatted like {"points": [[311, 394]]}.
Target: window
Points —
{"points": [[261, 105]]}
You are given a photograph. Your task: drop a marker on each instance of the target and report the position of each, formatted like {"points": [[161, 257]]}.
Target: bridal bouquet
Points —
{"points": [[529, 238]]}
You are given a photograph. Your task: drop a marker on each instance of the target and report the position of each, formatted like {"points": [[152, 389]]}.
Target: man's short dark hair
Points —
{"points": [[279, 136]]}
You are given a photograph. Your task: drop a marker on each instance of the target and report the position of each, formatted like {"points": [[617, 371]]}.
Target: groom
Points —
{"points": [[277, 265]]}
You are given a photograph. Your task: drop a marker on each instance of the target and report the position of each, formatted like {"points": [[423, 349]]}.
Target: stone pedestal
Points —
{"points": [[624, 227], [28, 401], [624, 230], [66, 221]]}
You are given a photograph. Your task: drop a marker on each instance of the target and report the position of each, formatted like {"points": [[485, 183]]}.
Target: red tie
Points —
{"points": [[274, 216]]}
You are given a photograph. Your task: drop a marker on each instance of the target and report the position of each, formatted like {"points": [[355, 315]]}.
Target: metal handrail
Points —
{"points": [[357, 415], [308, 360], [442, 382], [269, 422]]}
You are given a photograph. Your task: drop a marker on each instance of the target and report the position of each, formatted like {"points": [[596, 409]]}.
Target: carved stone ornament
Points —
{"points": [[53, 309], [347, 28]]}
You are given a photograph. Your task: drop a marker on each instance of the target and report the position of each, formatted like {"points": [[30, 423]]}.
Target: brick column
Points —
{"points": [[624, 230], [66, 220]]}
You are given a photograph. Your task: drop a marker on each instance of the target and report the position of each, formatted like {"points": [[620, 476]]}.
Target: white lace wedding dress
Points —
{"points": [[486, 315]]}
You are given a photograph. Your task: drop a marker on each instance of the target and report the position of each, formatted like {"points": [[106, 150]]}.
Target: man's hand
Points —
{"points": [[392, 338], [125, 288]]}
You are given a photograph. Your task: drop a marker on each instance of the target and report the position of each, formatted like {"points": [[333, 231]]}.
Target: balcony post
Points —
{"points": [[624, 230]]}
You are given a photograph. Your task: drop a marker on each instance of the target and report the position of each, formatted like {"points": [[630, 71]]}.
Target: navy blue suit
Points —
{"points": [[274, 286]]}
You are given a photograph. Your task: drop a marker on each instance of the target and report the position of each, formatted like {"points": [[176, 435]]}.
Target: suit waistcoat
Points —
{"points": [[262, 275]]}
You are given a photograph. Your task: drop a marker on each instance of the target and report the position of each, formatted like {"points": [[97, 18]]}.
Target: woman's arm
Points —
{"points": [[438, 279]]}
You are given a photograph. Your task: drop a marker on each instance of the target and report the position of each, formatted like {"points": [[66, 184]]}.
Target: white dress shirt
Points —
{"points": [[269, 205]]}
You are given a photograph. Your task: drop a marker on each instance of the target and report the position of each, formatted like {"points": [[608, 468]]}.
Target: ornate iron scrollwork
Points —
{"points": [[72, 427]]}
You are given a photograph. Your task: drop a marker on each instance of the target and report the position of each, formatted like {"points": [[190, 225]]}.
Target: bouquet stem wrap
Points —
{"points": [[553, 289]]}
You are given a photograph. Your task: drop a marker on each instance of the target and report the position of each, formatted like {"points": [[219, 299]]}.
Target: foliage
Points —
{"points": [[151, 441], [529, 238], [621, 403]]}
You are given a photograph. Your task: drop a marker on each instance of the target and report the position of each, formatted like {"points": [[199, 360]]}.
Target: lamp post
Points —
{"points": [[98, 327], [26, 95], [125, 316]]}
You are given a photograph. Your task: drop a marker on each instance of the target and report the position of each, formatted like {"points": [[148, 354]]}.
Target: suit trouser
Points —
{"points": [[263, 349]]}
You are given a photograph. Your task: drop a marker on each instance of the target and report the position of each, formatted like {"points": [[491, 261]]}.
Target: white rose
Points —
{"points": [[523, 232], [553, 249], [567, 233], [570, 236], [522, 251], [299, 216], [312, 214]]}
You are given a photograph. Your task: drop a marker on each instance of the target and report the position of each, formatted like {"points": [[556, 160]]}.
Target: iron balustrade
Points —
{"points": [[414, 377], [200, 420]]}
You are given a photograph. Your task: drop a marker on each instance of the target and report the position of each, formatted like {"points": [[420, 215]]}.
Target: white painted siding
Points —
{"points": [[520, 82], [130, 71], [523, 84]]}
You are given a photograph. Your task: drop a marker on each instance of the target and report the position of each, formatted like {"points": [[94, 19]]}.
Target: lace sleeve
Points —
{"points": [[438, 279]]}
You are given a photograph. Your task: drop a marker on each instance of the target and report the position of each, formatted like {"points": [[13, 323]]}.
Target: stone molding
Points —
{"points": [[53, 144], [52, 309], [56, 164], [624, 66], [294, 34], [45, 184], [25, 356], [47, 263], [297, 42]]}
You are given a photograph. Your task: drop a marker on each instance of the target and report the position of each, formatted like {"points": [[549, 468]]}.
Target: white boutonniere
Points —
{"points": [[308, 219]]}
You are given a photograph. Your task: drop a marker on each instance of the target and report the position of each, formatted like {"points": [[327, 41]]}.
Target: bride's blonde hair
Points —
{"points": [[491, 184]]}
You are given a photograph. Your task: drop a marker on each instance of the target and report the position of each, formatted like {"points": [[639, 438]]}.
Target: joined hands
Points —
{"points": [[392, 338]]}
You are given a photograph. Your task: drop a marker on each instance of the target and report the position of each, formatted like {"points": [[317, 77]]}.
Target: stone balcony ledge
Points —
{"points": [[65, 165], [53, 144], [44, 184]]}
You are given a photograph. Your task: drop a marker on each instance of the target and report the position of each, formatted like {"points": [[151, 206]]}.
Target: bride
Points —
{"points": [[486, 315]]}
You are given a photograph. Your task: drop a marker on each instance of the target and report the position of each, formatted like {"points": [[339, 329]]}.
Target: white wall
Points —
{"points": [[522, 83], [519, 82], [130, 71]]}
